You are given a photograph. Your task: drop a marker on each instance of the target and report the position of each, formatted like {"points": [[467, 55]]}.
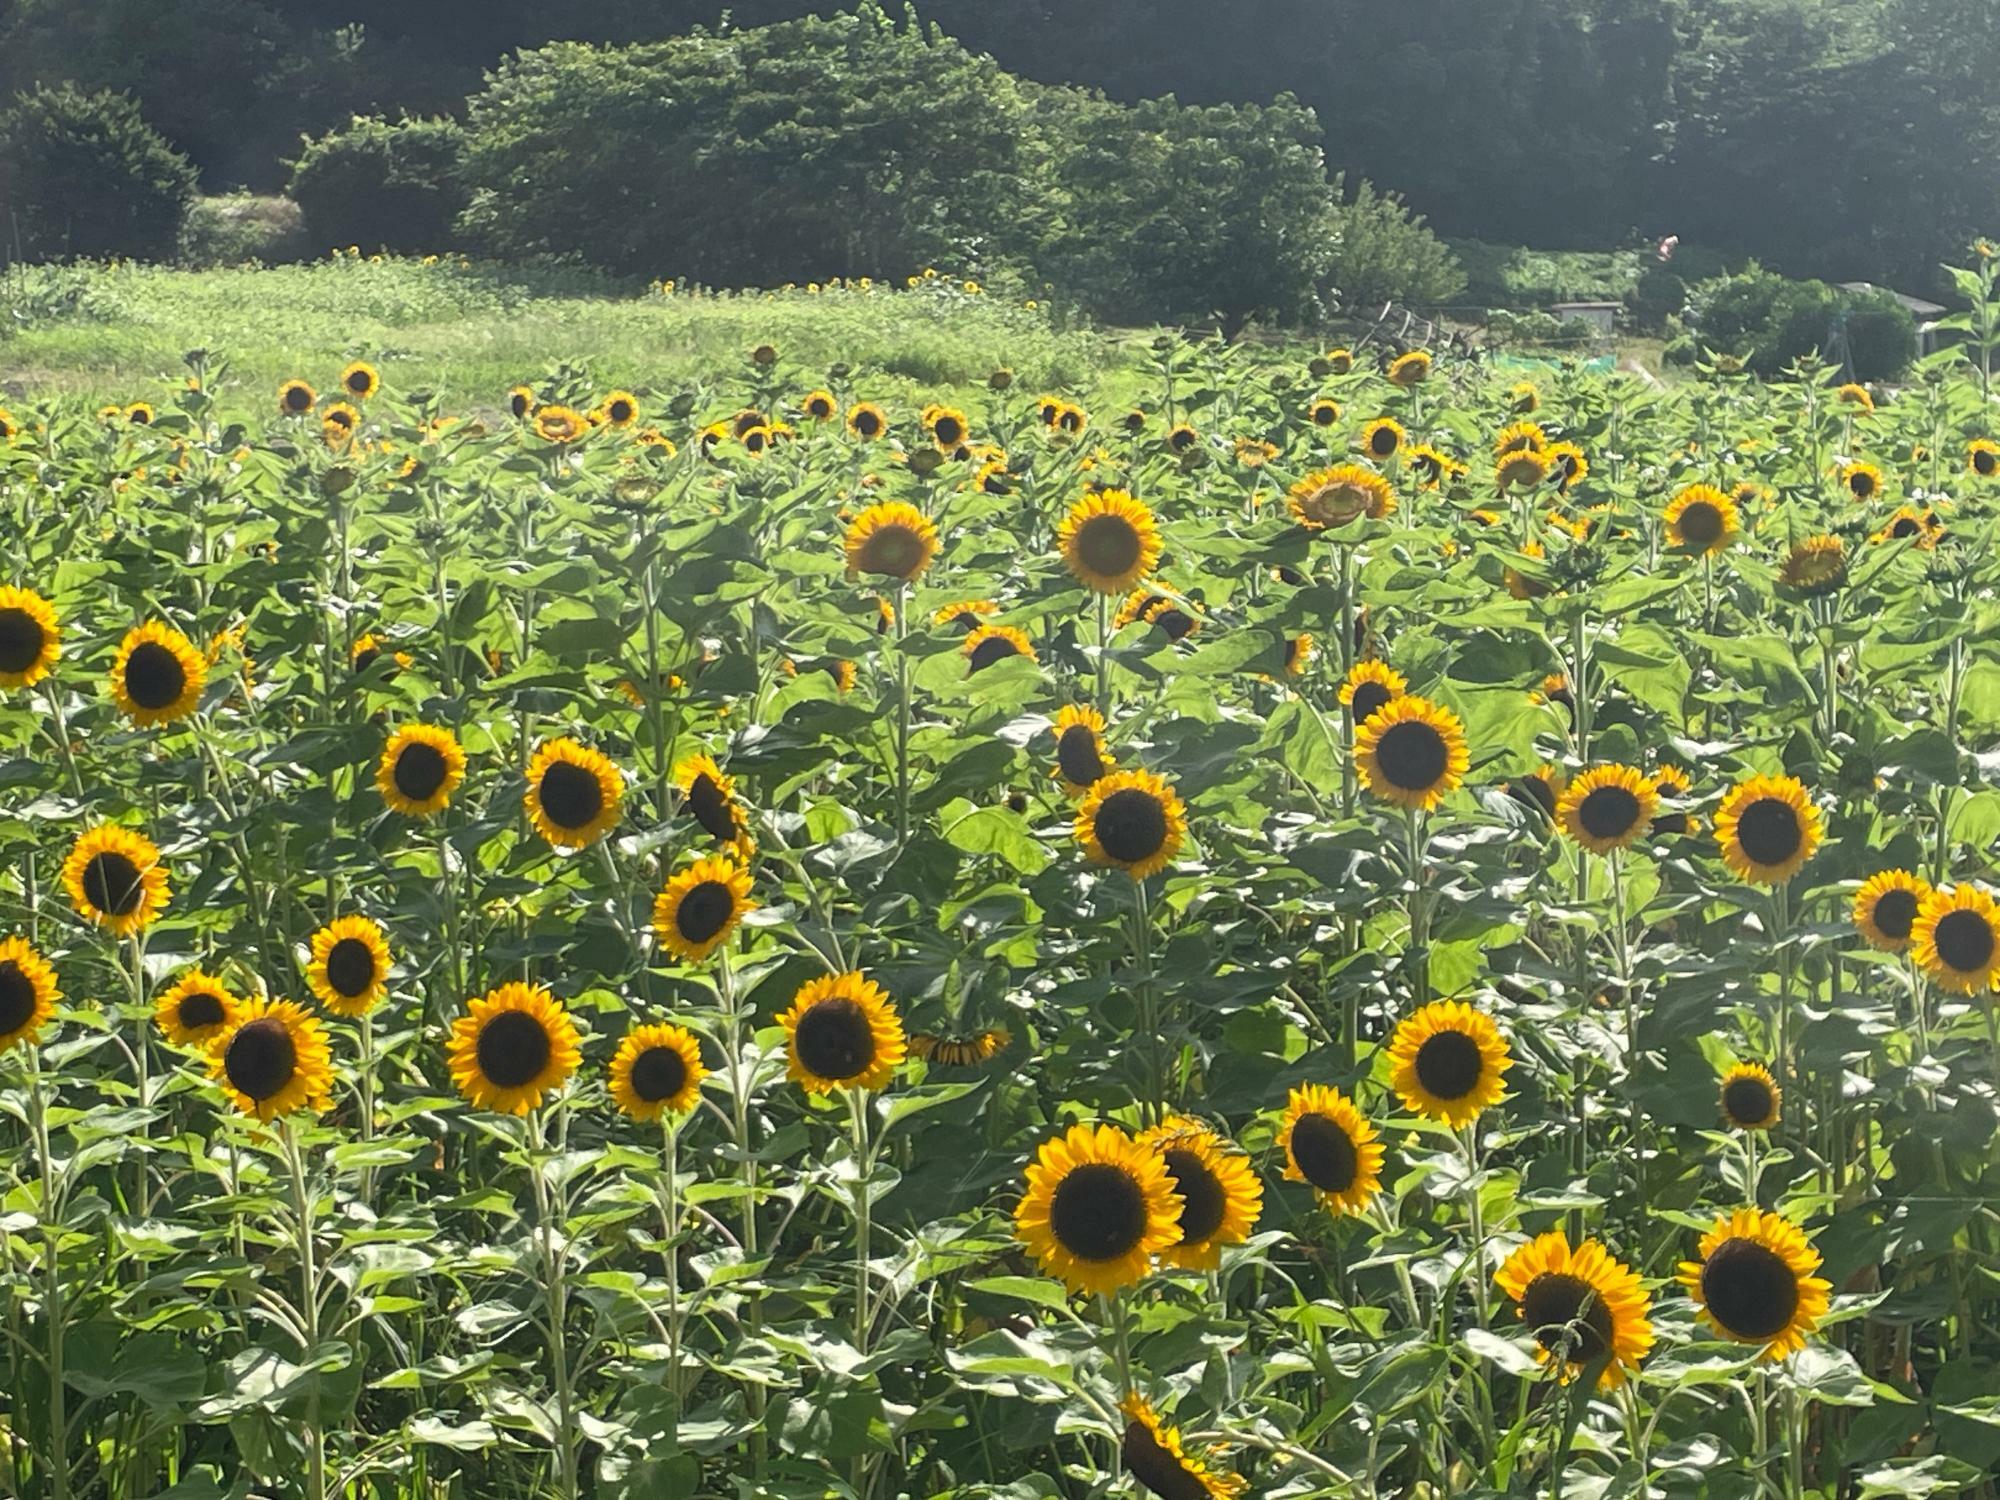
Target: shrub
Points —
{"points": [[1384, 253], [84, 175], [1771, 320], [1662, 293], [240, 228], [382, 185]]}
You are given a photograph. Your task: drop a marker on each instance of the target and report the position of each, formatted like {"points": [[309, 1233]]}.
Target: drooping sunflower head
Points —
{"points": [[271, 1058], [1181, 438], [709, 797], [1368, 688], [1885, 909], [620, 408], [964, 614], [1220, 1194], [1133, 820], [1754, 1282], [1541, 789], [657, 1070], [1325, 412], [28, 993], [1523, 398], [1862, 481], [842, 1031], [987, 644], [1109, 541], [1434, 467], [30, 638], [867, 421], [961, 1051], [1383, 438], [574, 793], [1524, 469], [296, 398], [114, 878], [349, 970], [1702, 520], [891, 539], [1815, 566], [157, 676], [1767, 828], [1081, 758], [360, 380], [1410, 369], [1172, 618], [1955, 939], [1299, 652], [1448, 1062], [1608, 808], [701, 906], [1153, 1453], [1855, 398], [1569, 466], [1522, 437], [1337, 361], [1982, 457], [1254, 453], [1412, 752], [560, 424], [1098, 1206], [1750, 1097], [195, 1010], [1335, 496], [1581, 1305], [421, 767], [1330, 1145], [513, 1046]]}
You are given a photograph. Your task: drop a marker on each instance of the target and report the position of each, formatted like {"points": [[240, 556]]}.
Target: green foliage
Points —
{"points": [[84, 175], [1771, 320], [382, 186], [240, 228], [1512, 277], [1382, 252]]}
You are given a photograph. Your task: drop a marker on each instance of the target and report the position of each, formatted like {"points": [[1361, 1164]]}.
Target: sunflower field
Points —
{"points": [[1358, 926]]}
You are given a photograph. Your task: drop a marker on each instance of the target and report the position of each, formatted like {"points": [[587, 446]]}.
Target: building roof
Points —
{"points": [[1917, 305]]}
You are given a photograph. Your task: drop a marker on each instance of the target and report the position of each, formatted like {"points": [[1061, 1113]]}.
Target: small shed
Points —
{"points": [[1926, 313], [1602, 317]]}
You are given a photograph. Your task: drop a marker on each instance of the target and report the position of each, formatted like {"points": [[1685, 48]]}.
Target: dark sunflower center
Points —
{"points": [[1769, 831], [297, 398], [1370, 698], [894, 550], [1747, 1101], [658, 1073], [1896, 913], [1413, 755], [113, 883], [820, 407], [1449, 1065], [21, 640], [1070, 421], [710, 808], [1749, 1289], [420, 771], [1077, 757], [1175, 623], [350, 967], [201, 1009], [1537, 792], [1203, 1201], [950, 431], [513, 1049], [1904, 526], [1701, 523], [1964, 941], [1131, 825], [154, 676], [867, 423], [1325, 416], [1382, 442], [1325, 1153], [1108, 544], [704, 910], [1567, 1316], [358, 382], [993, 648], [17, 998], [261, 1058], [1180, 439], [1156, 1468], [621, 411], [1098, 1212], [366, 658], [1608, 812], [1986, 462], [834, 1039], [518, 404], [1862, 484], [571, 795]]}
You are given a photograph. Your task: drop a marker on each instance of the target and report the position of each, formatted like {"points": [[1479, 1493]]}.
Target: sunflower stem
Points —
{"points": [[902, 715], [303, 1203], [1476, 1216], [1155, 1105], [670, 1255], [554, 1266], [864, 1168], [54, 1313]]}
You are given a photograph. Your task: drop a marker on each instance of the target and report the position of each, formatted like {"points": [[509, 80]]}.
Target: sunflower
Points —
{"points": [[1750, 1097], [1299, 651], [1368, 689], [656, 1071], [421, 767], [1446, 1062], [8, 426], [1863, 481], [1569, 466], [1522, 437], [574, 793], [757, 440], [337, 423], [1540, 789], [1182, 438], [1412, 751], [1885, 909], [820, 406], [867, 421], [1072, 419], [296, 398], [1523, 397], [1098, 1206], [961, 1051], [114, 878], [1081, 759], [1855, 396], [1702, 520], [1220, 1194], [28, 993], [1767, 828], [964, 613], [1911, 523], [987, 644], [1581, 1305], [30, 638], [512, 1046], [710, 798], [560, 424], [349, 972], [1330, 1145], [1982, 457], [1956, 939], [1133, 820], [1672, 782], [360, 381], [842, 1032], [271, 1059], [157, 675], [1383, 438], [946, 425], [1754, 1282], [521, 402], [1337, 361], [700, 907], [1153, 1454], [620, 408], [1434, 467], [139, 414], [1109, 541], [1323, 412], [196, 1010], [1254, 453], [1817, 565], [1333, 497], [1607, 808], [1171, 620], [1411, 369], [1524, 468], [1135, 420], [892, 539]]}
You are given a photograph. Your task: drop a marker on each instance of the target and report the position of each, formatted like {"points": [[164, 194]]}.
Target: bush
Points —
{"points": [[1771, 320], [1662, 293], [1384, 253], [84, 175], [242, 228], [382, 185]]}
